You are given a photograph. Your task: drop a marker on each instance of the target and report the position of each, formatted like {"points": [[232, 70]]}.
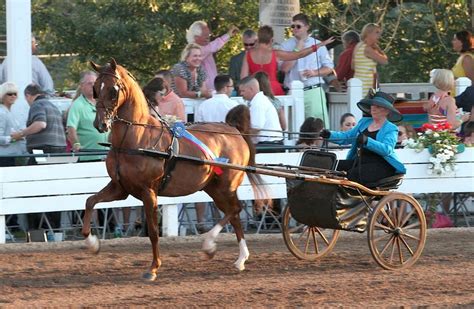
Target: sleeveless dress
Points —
{"points": [[458, 69], [437, 114], [269, 68], [364, 68]]}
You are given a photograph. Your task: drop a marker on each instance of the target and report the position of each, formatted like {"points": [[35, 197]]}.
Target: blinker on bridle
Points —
{"points": [[118, 86]]}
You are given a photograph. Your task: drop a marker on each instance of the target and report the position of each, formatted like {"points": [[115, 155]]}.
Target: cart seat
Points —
{"points": [[388, 183]]}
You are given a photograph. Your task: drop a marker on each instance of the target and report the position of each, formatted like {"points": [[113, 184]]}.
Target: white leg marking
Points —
{"points": [[92, 243], [209, 244], [243, 255]]}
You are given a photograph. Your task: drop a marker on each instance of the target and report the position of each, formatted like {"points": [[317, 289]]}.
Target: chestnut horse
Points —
{"points": [[122, 107]]}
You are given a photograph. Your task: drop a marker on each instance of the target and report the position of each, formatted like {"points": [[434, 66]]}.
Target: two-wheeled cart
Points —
{"points": [[322, 202], [320, 206]]}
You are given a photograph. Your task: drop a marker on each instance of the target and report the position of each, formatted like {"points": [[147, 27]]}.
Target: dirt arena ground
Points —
{"points": [[66, 275]]}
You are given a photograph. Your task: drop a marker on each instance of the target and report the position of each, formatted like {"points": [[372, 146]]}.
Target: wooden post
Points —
{"points": [[19, 51], [2, 229], [297, 93], [354, 95], [170, 220]]}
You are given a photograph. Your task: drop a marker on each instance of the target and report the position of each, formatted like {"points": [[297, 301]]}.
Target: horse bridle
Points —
{"points": [[118, 86]]}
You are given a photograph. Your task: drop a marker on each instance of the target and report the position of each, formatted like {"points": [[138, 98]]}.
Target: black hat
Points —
{"points": [[384, 100]]}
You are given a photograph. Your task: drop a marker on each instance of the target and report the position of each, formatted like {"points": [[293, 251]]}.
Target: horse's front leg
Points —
{"points": [[151, 211], [111, 192]]}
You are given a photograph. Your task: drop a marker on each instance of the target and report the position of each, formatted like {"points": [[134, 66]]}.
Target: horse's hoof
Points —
{"points": [[149, 276], [240, 267], [209, 254], [93, 244]]}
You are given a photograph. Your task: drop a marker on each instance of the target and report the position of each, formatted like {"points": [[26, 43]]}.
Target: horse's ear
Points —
{"points": [[113, 64], [95, 66]]}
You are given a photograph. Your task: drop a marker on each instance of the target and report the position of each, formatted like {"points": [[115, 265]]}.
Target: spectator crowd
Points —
{"points": [[259, 73]]}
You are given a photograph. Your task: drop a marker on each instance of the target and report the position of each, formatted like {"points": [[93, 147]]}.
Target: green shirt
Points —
{"points": [[81, 117]]}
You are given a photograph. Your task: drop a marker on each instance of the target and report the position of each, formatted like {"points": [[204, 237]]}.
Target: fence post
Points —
{"points": [[170, 220], [297, 93], [354, 95], [461, 84]]}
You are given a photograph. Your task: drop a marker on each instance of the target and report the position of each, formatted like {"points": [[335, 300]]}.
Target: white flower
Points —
{"points": [[435, 134]]}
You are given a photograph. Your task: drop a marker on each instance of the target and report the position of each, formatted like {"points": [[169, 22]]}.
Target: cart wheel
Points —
{"points": [[397, 231], [305, 242]]}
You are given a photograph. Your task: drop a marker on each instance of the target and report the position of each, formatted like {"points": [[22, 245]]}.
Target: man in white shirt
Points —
{"points": [[263, 115], [310, 70], [40, 74], [215, 109]]}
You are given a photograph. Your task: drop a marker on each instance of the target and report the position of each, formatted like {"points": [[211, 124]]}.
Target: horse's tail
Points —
{"points": [[239, 117]]}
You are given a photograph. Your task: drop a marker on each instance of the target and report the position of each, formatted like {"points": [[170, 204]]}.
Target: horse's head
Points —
{"points": [[109, 93]]}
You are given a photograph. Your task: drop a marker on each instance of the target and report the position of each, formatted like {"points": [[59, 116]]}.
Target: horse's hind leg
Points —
{"points": [[231, 207], [243, 250], [111, 192]]}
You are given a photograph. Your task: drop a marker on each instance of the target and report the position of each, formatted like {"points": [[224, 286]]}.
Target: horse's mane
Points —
{"points": [[133, 89]]}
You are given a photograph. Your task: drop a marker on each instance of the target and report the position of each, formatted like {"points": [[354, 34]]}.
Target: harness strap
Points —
{"points": [[170, 163]]}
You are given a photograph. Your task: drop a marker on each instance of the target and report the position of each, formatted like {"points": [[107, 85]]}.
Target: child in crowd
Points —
{"points": [[308, 133], [405, 131], [441, 107]]}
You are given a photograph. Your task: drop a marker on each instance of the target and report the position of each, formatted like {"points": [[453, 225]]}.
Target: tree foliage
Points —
{"points": [[147, 35]]}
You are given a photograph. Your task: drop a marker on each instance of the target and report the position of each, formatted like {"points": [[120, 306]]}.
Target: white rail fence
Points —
{"points": [[65, 187]]}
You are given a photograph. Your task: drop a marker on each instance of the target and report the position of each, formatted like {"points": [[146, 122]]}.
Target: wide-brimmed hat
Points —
{"points": [[384, 100]]}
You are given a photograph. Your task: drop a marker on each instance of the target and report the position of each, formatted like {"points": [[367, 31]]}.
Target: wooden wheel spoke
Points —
{"points": [[401, 212], [387, 217], [413, 225], [407, 217], [323, 237], [406, 245], [399, 247], [315, 241], [305, 228], [394, 212], [382, 237], [307, 242], [411, 236], [394, 246], [383, 227], [387, 244], [296, 229]]}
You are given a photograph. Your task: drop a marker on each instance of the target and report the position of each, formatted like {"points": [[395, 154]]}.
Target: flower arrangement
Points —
{"points": [[442, 143]]}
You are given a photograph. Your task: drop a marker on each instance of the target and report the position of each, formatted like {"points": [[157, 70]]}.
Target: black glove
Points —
{"points": [[362, 139], [325, 133]]}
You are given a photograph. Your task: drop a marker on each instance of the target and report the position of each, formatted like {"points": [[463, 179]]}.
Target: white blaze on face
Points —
{"points": [[102, 86]]}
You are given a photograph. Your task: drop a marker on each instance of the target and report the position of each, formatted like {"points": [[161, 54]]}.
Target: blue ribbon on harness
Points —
{"points": [[179, 130]]}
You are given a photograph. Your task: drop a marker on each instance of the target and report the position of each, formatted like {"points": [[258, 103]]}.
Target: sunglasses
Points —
{"points": [[296, 26], [12, 94], [249, 44]]}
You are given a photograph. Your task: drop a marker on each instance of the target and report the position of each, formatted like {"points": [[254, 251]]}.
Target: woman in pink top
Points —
{"points": [[163, 100]]}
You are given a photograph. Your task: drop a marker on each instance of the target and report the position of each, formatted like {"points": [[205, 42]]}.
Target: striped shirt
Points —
{"points": [[53, 135], [364, 68]]}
